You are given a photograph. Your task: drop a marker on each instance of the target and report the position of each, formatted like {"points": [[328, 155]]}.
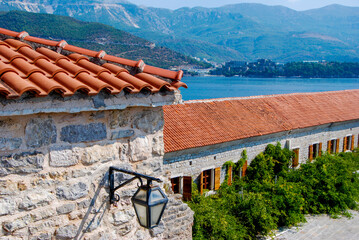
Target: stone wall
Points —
{"points": [[192, 162], [54, 171]]}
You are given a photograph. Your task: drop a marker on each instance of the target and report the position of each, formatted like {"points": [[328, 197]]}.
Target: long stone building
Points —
{"points": [[200, 136], [67, 114]]}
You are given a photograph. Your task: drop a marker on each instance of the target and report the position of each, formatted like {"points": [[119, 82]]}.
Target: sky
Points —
{"points": [[294, 4]]}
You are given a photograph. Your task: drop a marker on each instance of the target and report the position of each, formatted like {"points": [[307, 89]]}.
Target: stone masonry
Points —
{"points": [[54, 170]]}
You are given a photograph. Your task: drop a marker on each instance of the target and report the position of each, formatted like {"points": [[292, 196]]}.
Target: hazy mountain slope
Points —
{"points": [[339, 21], [241, 31], [93, 36]]}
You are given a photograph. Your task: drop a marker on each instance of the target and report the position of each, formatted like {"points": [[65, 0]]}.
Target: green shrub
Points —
{"points": [[273, 195]]}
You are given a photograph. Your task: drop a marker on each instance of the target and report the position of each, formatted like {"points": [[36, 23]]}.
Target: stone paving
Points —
{"points": [[323, 227]]}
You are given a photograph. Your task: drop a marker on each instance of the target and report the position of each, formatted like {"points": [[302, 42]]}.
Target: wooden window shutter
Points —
{"points": [[345, 144], [296, 158], [175, 184], [337, 149], [310, 152], [352, 146], [329, 146], [244, 168], [201, 183], [187, 188], [320, 149], [358, 140], [217, 178], [230, 175]]}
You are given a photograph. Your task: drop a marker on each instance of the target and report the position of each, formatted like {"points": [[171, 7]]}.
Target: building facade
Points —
{"points": [[67, 114], [201, 136]]}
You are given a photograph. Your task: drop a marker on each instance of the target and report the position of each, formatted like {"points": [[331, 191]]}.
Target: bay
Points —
{"points": [[220, 87]]}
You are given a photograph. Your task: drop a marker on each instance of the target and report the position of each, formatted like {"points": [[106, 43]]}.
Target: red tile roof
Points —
{"points": [[196, 124], [31, 64]]}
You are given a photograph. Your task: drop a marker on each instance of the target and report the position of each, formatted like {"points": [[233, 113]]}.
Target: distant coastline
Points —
{"points": [[265, 68]]}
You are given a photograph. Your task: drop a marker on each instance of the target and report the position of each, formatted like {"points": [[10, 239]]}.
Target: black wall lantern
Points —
{"points": [[149, 202]]}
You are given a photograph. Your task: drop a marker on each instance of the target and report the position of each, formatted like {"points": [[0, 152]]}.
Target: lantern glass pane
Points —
{"points": [[156, 213], [155, 196], [141, 213], [141, 195]]}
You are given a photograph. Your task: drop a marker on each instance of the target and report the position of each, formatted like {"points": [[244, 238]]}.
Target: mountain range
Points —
{"points": [[233, 32]]}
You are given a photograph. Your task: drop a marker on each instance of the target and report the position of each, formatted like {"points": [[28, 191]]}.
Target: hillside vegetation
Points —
{"points": [[94, 36], [272, 195], [267, 68], [234, 32]]}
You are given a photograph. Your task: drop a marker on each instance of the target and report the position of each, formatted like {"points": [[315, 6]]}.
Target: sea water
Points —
{"points": [[221, 87]]}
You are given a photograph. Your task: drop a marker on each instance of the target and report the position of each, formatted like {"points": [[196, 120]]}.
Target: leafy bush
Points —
{"points": [[273, 195]]}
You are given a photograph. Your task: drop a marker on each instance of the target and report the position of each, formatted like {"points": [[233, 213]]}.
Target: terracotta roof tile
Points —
{"points": [[45, 67], [196, 124], [153, 81], [136, 82]]}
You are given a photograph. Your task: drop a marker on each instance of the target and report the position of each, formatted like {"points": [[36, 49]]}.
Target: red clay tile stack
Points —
{"points": [[40, 66], [196, 124]]}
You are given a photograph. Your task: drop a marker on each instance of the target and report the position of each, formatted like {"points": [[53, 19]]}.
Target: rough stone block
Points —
{"points": [[84, 204], [157, 230], [75, 215], [43, 214], [120, 118], [97, 115], [7, 187], [36, 199], [98, 101], [122, 134], [149, 121], [158, 146], [140, 235], [100, 153], [122, 217], [46, 225], [11, 226], [9, 125], [72, 192], [83, 133], [40, 132], [62, 158], [140, 149], [124, 152], [66, 232], [7, 206], [21, 163], [66, 208], [124, 230], [42, 236], [79, 173], [94, 222], [8, 144]]}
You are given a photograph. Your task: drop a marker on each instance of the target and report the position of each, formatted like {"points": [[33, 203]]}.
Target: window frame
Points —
{"points": [[176, 185], [315, 150], [295, 159], [348, 143], [333, 146]]}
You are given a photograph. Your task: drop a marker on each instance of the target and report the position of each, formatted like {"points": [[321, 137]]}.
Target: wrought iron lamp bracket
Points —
{"points": [[111, 179]]}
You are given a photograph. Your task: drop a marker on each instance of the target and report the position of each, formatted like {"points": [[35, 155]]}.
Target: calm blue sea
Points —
{"points": [[220, 87]]}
